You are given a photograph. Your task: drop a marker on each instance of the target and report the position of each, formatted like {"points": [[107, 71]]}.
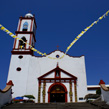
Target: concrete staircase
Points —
{"points": [[52, 106], [100, 104]]}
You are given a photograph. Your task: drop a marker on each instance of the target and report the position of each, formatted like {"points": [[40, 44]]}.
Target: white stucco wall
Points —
{"points": [[105, 96], [50, 75], [19, 78], [91, 91], [26, 82]]}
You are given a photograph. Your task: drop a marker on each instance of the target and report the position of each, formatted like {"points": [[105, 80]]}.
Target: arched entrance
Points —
{"points": [[57, 92]]}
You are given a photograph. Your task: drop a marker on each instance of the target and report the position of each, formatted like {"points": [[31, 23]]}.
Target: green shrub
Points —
{"points": [[29, 96], [98, 91]]}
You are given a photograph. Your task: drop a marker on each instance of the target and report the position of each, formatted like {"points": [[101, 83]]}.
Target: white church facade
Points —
{"points": [[48, 80]]}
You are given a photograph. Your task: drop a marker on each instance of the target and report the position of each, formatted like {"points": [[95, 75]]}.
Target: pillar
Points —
{"points": [[44, 90], [75, 88], [39, 89], [70, 93]]}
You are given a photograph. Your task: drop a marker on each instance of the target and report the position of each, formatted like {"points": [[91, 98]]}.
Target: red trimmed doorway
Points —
{"points": [[57, 92]]}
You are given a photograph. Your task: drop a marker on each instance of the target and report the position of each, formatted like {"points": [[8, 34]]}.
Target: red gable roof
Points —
{"points": [[58, 68]]}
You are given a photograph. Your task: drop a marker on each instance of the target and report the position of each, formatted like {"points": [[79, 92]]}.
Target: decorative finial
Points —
{"points": [[57, 64]]}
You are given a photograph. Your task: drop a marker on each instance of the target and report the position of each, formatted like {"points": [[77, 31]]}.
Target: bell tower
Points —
{"points": [[22, 54], [26, 31]]}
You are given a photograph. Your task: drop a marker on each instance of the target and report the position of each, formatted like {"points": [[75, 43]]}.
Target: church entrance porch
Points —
{"points": [[57, 93]]}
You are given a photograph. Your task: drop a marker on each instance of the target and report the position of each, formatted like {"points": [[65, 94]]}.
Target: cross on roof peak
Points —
{"points": [[57, 47]]}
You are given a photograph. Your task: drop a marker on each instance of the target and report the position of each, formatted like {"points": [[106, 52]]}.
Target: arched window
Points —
{"points": [[22, 44], [25, 26]]}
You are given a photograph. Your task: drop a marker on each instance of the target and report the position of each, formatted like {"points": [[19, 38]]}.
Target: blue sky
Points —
{"points": [[58, 23]]}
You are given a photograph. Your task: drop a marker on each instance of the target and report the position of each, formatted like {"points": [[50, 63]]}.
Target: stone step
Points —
{"points": [[50, 106]]}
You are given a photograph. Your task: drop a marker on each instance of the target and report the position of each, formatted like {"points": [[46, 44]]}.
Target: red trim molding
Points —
{"points": [[49, 90], [55, 79], [30, 40], [19, 24], [66, 54], [22, 52], [63, 53], [26, 32], [93, 88], [15, 43], [29, 18], [31, 25], [23, 49], [57, 68]]}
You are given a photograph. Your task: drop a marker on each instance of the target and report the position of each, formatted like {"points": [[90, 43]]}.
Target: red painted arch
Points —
{"points": [[60, 85]]}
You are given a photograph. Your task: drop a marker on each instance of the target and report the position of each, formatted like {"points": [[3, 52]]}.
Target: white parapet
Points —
{"points": [[5, 94]]}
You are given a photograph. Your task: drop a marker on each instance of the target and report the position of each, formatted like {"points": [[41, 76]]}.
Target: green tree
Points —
{"points": [[29, 96]]}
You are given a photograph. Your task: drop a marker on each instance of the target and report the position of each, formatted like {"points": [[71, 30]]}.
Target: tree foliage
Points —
{"points": [[98, 91], [29, 96]]}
